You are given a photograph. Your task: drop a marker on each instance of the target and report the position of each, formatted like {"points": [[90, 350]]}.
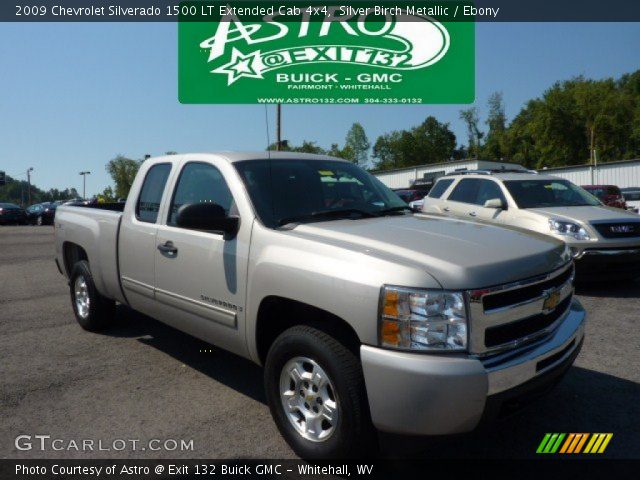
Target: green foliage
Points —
{"points": [[471, 119], [494, 145], [16, 191], [107, 195], [123, 171], [429, 142], [575, 118], [357, 145]]}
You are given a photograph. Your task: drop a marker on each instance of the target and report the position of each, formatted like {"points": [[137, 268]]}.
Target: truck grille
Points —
{"points": [[618, 229], [511, 315], [513, 297], [510, 332]]}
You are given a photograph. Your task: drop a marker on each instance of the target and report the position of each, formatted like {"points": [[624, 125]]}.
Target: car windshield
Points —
{"points": [[9, 206], [292, 191], [549, 193]]}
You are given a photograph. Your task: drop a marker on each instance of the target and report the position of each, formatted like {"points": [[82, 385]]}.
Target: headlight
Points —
{"points": [[415, 319], [568, 229]]}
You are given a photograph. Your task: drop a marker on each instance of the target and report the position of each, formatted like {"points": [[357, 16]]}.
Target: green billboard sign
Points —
{"points": [[294, 53]]}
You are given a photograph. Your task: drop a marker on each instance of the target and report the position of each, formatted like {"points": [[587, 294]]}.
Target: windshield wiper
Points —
{"points": [[387, 211], [327, 215]]}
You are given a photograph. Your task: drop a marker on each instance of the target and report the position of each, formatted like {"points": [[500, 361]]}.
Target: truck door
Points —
{"points": [[199, 275], [137, 241]]}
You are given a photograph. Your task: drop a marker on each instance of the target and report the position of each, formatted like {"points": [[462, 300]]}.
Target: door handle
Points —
{"points": [[168, 248], [473, 214], [446, 209]]}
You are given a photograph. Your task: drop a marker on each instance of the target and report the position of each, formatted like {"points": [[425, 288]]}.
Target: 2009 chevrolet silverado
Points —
{"points": [[363, 314]]}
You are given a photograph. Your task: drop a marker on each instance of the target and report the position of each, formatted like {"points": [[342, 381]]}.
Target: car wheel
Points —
{"points": [[93, 311], [315, 390], [39, 221]]}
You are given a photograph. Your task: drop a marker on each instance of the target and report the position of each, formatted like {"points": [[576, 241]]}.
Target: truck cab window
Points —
{"points": [[151, 193], [199, 183]]}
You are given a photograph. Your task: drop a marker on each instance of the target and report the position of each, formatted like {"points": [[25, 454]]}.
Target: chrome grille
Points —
{"points": [[618, 229], [511, 315]]}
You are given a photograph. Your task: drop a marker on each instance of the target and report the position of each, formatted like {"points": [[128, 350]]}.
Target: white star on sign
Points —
{"points": [[240, 66]]}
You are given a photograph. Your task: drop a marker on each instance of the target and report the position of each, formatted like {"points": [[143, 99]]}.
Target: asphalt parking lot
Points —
{"points": [[143, 380]]}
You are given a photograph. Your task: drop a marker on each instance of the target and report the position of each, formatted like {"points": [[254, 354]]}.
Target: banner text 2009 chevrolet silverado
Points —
{"points": [[363, 314]]}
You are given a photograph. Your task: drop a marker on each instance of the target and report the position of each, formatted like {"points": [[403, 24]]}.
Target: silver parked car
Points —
{"points": [[605, 241]]}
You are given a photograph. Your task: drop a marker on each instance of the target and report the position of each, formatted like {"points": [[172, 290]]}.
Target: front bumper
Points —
{"points": [[426, 394], [604, 263]]}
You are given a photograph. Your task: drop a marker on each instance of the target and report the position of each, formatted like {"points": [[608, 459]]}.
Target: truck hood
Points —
{"points": [[586, 214], [459, 254]]}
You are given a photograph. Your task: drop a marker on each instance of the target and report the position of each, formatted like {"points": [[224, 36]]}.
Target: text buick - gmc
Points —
{"points": [[364, 315]]}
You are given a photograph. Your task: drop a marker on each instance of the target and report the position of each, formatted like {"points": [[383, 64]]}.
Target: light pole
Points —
{"points": [[84, 183], [29, 170]]}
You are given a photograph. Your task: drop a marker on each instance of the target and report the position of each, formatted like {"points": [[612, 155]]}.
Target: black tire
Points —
{"points": [[101, 310], [354, 436]]}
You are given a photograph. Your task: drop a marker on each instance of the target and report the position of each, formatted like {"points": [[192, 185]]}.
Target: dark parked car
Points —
{"points": [[12, 213], [41, 213], [411, 195], [610, 195]]}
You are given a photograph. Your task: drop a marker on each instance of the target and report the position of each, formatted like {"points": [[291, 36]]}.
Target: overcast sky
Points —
{"points": [[76, 95]]}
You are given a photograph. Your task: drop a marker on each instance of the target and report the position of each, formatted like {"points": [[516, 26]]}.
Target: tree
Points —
{"points": [[107, 195], [470, 117], [429, 142], [346, 152], [358, 143], [494, 148], [123, 171], [15, 191]]}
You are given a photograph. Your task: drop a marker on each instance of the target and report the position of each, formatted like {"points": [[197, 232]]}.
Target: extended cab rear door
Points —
{"points": [[200, 276], [137, 238]]}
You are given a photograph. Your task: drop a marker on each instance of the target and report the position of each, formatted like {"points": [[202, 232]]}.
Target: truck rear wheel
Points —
{"points": [[93, 311], [315, 390]]}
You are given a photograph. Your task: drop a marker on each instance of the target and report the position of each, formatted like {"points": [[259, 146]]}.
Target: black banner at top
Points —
{"points": [[170, 10]]}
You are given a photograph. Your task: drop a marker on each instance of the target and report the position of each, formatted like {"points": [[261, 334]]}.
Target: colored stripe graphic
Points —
{"points": [[543, 443], [573, 443], [581, 442]]}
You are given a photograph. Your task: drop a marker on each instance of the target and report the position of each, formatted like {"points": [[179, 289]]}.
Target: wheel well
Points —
{"points": [[73, 253], [276, 314]]}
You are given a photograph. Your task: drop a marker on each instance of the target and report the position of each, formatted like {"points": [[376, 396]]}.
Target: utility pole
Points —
{"points": [[278, 126], [84, 183], [29, 184]]}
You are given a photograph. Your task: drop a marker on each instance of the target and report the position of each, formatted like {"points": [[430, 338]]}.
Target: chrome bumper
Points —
{"points": [[610, 252], [425, 394]]}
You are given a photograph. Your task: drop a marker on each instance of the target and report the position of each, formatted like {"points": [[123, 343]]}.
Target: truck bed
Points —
{"points": [[95, 229]]}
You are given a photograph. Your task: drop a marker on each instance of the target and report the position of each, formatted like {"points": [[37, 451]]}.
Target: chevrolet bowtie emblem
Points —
{"points": [[551, 301]]}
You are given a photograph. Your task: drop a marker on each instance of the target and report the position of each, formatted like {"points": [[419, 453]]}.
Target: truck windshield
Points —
{"points": [[549, 193], [293, 191]]}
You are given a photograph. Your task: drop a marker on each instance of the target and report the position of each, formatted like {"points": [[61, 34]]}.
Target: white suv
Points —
{"points": [[605, 241]]}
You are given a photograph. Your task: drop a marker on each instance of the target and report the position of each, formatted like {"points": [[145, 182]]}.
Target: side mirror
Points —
{"points": [[209, 217], [496, 203]]}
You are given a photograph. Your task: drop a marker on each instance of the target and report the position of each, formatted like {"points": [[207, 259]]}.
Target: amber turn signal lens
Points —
{"points": [[391, 303], [390, 333]]}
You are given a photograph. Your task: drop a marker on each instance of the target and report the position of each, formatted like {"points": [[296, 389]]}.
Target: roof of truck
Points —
{"points": [[260, 155]]}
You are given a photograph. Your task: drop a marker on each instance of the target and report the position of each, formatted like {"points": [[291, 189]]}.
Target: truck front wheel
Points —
{"points": [[315, 390], [93, 311]]}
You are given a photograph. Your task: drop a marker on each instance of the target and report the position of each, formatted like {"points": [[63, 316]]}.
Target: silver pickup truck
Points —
{"points": [[364, 315]]}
